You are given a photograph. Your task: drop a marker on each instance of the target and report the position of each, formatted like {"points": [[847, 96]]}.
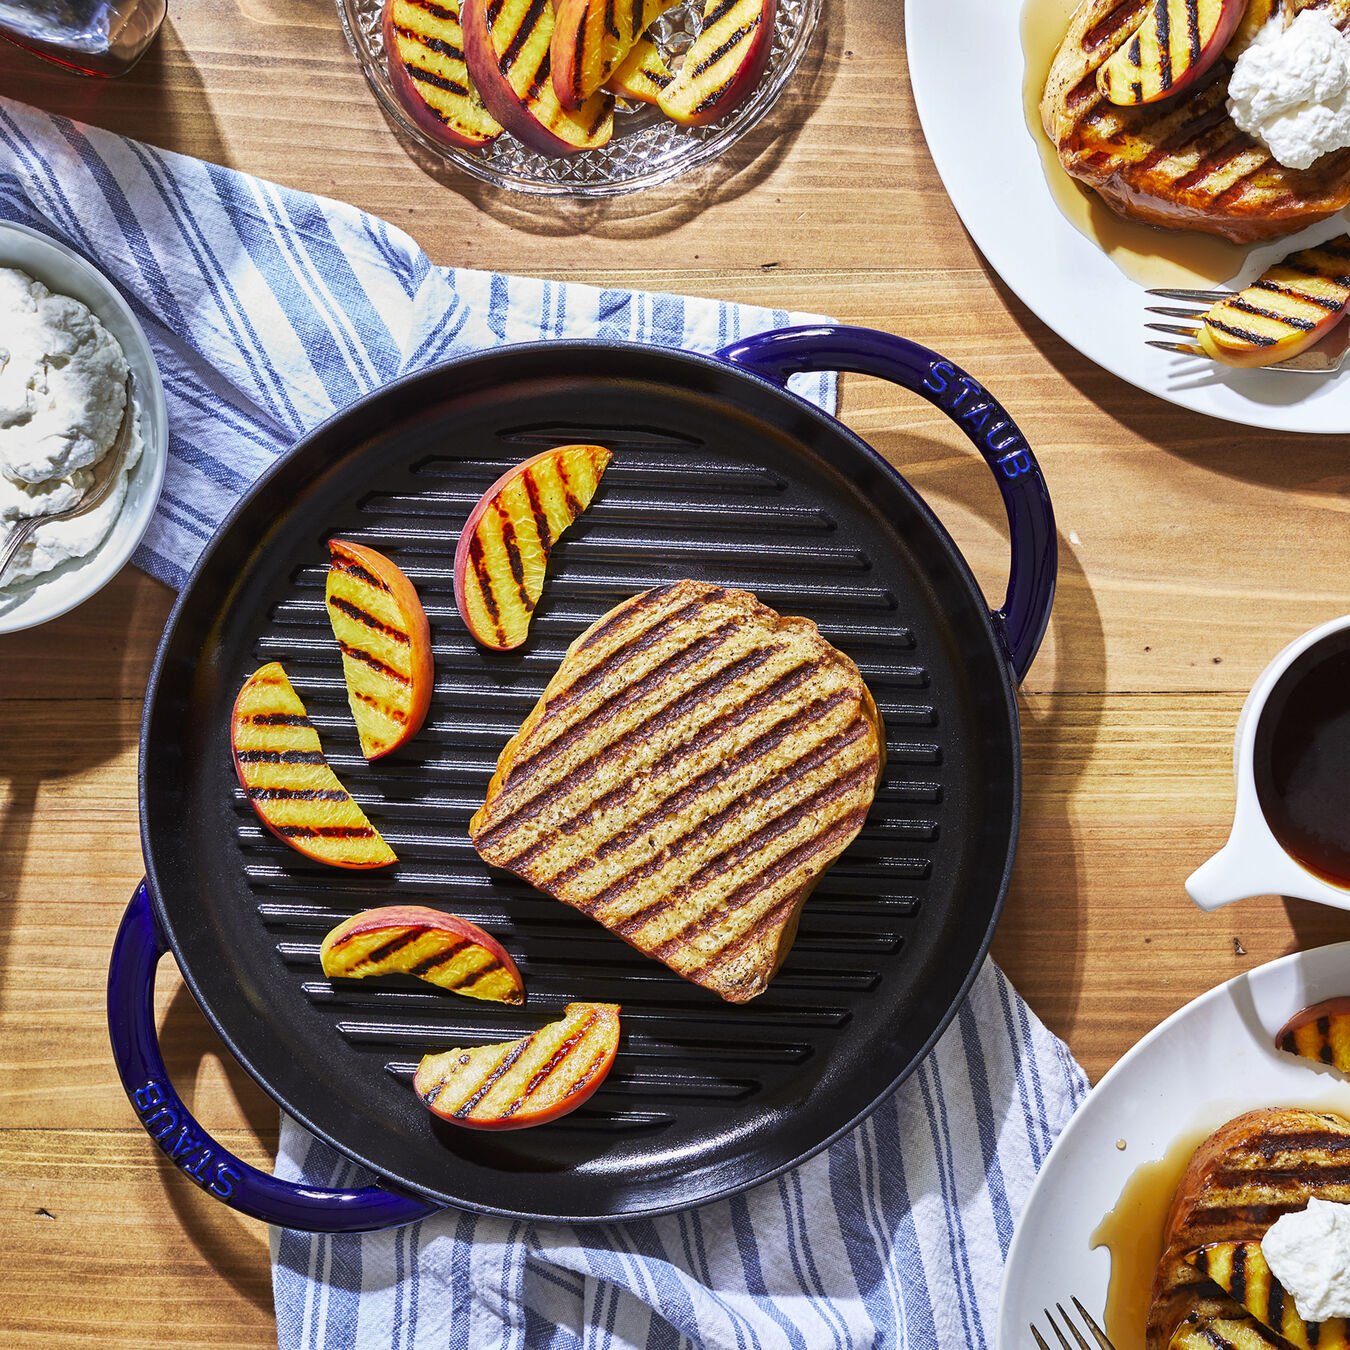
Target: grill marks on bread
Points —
{"points": [[692, 769], [1181, 163], [1249, 1172]]}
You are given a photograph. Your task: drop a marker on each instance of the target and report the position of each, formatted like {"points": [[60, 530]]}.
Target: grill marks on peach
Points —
{"points": [[522, 1082], [382, 633], [1292, 305], [282, 769], [506, 556], [430, 44], [680, 754], [441, 958], [1167, 45], [717, 60], [1240, 1269], [521, 32]]}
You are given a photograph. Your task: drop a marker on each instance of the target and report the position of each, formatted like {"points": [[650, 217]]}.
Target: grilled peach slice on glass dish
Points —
{"points": [[643, 73], [1320, 1033], [592, 38], [503, 549], [286, 778], [515, 1084], [506, 45], [1178, 41], [725, 63], [1288, 309], [424, 46], [382, 632], [442, 949]]}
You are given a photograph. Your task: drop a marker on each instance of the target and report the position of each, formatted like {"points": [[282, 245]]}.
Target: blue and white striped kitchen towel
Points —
{"points": [[268, 311]]}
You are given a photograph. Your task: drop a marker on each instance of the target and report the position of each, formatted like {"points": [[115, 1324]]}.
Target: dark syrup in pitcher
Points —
{"points": [[1302, 759]]}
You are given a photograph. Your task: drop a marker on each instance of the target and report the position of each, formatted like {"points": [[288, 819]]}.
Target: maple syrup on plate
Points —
{"points": [[1301, 759], [1133, 1233], [1145, 253]]}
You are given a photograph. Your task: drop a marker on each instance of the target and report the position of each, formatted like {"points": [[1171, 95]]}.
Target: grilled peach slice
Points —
{"points": [[1290, 308], [516, 1084], [503, 549], [424, 50], [724, 65], [442, 949], [382, 632], [1320, 1033], [1176, 44], [592, 38], [506, 43], [643, 75], [1241, 1270], [282, 770], [1254, 18]]}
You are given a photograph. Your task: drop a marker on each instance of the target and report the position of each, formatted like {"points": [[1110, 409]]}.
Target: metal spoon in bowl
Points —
{"points": [[105, 475]]}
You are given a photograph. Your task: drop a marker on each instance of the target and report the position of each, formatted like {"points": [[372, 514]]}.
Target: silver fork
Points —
{"points": [[1328, 355], [105, 475], [1099, 1336]]}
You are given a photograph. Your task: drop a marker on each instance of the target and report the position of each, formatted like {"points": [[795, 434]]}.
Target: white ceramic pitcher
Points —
{"points": [[1253, 862]]}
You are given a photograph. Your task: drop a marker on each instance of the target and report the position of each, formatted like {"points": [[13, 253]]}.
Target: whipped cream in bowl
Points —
{"points": [[67, 342]]}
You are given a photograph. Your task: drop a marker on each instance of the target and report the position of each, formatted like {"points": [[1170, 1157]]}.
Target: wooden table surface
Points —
{"points": [[1190, 553]]}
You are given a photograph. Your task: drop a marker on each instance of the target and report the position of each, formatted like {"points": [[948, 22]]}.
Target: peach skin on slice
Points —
{"points": [[724, 65], [1320, 1033], [1240, 1269], [515, 1084], [1257, 14], [506, 43], [382, 632], [286, 778], [1178, 41], [442, 949], [424, 49], [592, 38], [643, 74], [504, 547], [1288, 309]]}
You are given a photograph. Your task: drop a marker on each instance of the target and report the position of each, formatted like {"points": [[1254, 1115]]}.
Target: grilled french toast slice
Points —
{"points": [[691, 770], [1249, 1172], [1181, 163]]}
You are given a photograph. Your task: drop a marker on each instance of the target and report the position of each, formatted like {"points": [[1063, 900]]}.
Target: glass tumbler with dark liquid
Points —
{"points": [[92, 37]]}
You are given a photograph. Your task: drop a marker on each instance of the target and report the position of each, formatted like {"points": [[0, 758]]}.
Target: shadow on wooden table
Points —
{"points": [[654, 211], [197, 1062], [137, 104], [1057, 733]]}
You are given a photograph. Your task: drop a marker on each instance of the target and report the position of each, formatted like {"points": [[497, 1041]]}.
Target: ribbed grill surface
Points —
{"points": [[704, 1095], [683, 510]]}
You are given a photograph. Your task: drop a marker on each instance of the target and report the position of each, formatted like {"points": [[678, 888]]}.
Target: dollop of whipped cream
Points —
{"points": [[1309, 1253], [1291, 89], [62, 393]]}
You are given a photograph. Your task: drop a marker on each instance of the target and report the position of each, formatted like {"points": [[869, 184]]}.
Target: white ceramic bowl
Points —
{"points": [[65, 272]]}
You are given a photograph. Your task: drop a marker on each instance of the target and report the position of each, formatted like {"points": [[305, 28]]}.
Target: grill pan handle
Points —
{"points": [[135, 1044], [1025, 612]]}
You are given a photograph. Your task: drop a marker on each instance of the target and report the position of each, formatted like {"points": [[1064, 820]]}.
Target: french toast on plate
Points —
{"points": [[1181, 163], [1250, 1171]]}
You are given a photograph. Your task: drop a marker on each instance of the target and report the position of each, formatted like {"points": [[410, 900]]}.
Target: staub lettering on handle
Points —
{"points": [[156, 1108], [979, 412]]}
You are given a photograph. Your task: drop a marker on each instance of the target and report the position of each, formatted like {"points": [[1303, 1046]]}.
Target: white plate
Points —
{"points": [[1210, 1061], [968, 92], [65, 272]]}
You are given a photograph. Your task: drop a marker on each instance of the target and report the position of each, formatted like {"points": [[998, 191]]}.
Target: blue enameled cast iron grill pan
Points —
{"points": [[719, 474]]}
